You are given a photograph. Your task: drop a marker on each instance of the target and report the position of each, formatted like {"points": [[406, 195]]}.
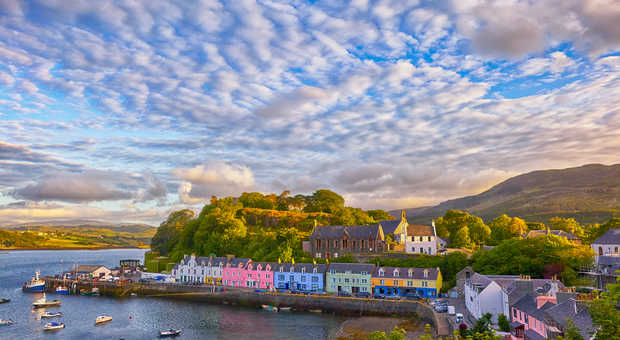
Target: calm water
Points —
{"points": [[136, 317]]}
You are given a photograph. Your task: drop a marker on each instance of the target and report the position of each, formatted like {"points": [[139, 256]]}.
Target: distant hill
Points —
{"points": [[126, 227], [589, 193]]}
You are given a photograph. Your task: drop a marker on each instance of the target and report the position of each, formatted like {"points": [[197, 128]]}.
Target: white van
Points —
{"points": [[459, 318]]}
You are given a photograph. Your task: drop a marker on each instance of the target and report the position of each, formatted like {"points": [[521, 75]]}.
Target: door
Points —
{"points": [[339, 288]]}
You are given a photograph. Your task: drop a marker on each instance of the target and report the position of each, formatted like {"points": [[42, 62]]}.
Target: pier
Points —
{"points": [[249, 298]]}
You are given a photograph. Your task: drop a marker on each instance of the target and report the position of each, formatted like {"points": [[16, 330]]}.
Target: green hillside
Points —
{"points": [[590, 194]]}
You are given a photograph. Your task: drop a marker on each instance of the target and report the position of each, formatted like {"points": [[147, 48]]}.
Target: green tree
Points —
{"points": [[379, 215], [324, 200], [605, 314], [351, 216], [461, 238], [598, 230], [454, 220], [503, 323], [257, 200], [504, 227], [569, 225], [167, 234], [571, 332]]}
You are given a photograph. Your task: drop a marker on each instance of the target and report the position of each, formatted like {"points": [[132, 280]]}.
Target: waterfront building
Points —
{"points": [[234, 273], [214, 268], [258, 275], [349, 277], [88, 272], [421, 239], [300, 276], [424, 282], [335, 241], [189, 270]]}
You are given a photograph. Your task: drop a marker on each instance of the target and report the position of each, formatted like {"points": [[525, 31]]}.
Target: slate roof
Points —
{"points": [[612, 236], [336, 232], [562, 233], [566, 310], [234, 262], [609, 260], [309, 267], [354, 268], [264, 265], [539, 286], [530, 334], [527, 305], [389, 226], [420, 230], [417, 273]]}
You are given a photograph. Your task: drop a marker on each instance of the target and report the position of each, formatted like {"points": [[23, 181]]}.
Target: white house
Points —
{"points": [[92, 272], [496, 293], [607, 245], [421, 239], [194, 269]]}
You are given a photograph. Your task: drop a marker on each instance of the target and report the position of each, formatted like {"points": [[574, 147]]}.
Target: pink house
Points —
{"points": [[234, 273], [259, 275], [529, 313]]}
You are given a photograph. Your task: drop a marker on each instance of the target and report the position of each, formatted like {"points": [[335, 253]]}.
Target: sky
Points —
{"points": [[128, 110]]}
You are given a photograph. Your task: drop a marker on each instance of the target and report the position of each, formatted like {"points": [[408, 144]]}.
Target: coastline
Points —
{"points": [[69, 248], [361, 327]]}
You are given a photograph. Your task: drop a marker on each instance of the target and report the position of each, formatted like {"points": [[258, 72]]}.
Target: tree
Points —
{"points": [[605, 314], [167, 234], [379, 215], [326, 201], [351, 216], [454, 220], [257, 200], [504, 227], [568, 225], [598, 230], [503, 323], [461, 238]]}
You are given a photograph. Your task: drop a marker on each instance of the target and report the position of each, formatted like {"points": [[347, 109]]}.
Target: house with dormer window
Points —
{"points": [[259, 275], [349, 277], [425, 282], [300, 276], [234, 273]]}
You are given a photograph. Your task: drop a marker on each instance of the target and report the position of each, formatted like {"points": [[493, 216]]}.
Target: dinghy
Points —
{"points": [[52, 326], [6, 322], [169, 333], [102, 319], [51, 315], [42, 303]]}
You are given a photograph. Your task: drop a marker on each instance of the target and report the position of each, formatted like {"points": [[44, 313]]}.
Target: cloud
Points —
{"points": [[213, 179]]}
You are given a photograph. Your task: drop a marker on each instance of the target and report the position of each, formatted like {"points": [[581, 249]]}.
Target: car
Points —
{"points": [[441, 308], [344, 294], [459, 318], [438, 302], [412, 296], [379, 296], [365, 295]]}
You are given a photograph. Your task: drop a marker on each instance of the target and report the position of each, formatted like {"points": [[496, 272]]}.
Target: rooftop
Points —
{"points": [[612, 236]]}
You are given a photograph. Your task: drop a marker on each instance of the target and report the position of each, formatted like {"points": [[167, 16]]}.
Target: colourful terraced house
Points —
{"points": [[234, 273], [258, 275], [349, 277], [300, 276], [425, 282]]}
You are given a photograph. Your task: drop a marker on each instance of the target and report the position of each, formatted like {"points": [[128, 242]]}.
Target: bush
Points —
{"points": [[502, 322]]}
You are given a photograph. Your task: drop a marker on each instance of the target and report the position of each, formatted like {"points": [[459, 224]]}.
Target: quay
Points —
{"points": [[352, 306]]}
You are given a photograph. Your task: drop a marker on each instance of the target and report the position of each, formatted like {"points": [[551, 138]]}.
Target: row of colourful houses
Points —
{"points": [[352, 278]]}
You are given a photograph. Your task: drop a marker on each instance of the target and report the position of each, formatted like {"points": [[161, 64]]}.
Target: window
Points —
{"points": [[410, 273], [303, 270], [346, 280], [395, 282], [249, 276], [381, 282], [334, 280], [514, 313], [421, 250], [395, 272], [315, 287], [381, 272], [291, 278], [335, 255], [526, 318], [281, 277], [318, 255], [267, 276], [314, 270], [304, 286], [303, 279], [344, 243], [315, 279], [363, 273]]}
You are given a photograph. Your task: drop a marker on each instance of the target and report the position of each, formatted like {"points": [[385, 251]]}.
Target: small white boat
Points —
{"points": [[169, 333], [284, 309], [6, 322], [102, 319], [52, 326], [51, 315], [270, 308], [42, 303]]}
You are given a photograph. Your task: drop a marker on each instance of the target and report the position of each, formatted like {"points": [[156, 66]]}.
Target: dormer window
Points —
{"points": [[291, 269], [381, 272], [314, 270], [395, 272], [425, 273], [303, 270], [410, 273]]}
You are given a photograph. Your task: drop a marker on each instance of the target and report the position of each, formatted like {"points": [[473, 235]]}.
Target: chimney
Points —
{"points": [[542, 299], [425, 273]]}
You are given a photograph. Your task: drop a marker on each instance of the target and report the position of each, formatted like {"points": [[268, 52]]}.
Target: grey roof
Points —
{"points": [[527, 305], [576, 312], [234, 262], [539, 286], [530, 334], [609, 260], [389, 226], [263, 265], [87, 268], [612, 236], [336, 232], [416, 273], [484, 280], [355, 268], [296, 268]]}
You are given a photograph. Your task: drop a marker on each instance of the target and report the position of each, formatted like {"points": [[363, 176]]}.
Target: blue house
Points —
{"points": [[299, 276]]}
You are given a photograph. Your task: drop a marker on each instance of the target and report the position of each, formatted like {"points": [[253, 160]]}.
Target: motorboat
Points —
{"points": [[42, 303], [6, 322], [50, 315], [169, 333], [93, 292], [52, 326], [5, 300], [35, 285], [62, 290], [270, 308], [102, 319]]}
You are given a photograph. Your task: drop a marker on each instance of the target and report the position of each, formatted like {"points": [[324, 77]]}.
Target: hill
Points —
{"points": [[589, 193]]}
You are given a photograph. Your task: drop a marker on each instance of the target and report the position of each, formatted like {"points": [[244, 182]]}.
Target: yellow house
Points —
{"points": [[425, 282]]}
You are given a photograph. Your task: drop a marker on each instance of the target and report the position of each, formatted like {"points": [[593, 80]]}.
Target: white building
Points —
{"points": [[87, 272], [496, 293], [194, 269], [607, 245], [421, 239]]}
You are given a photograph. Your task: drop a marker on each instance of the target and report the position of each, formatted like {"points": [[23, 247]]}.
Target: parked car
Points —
{"points": [[459, 318], [365, 295], [379, 296], [344, 294], [412, 296], [441, 308]]}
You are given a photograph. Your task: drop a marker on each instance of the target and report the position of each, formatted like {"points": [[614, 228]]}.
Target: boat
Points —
{"points": [[51, 315], [6, 322], [62, 290], [5, 300], [52, 326], [169, 333], [42, 303], [93, 292], [270, 308], [315, 311], [284, 309], [35, 285], [102, 319], [133, 294]]}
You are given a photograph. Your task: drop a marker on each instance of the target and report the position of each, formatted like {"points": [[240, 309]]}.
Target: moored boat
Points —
{"points": [[315, 311], [5, 300], [42, 303], [35, 285], [102, 319], [6, 322], [284, 309], [169, 333], [270, 308], [62, 290], [52, 326], [93, 292], [51, 315]]}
